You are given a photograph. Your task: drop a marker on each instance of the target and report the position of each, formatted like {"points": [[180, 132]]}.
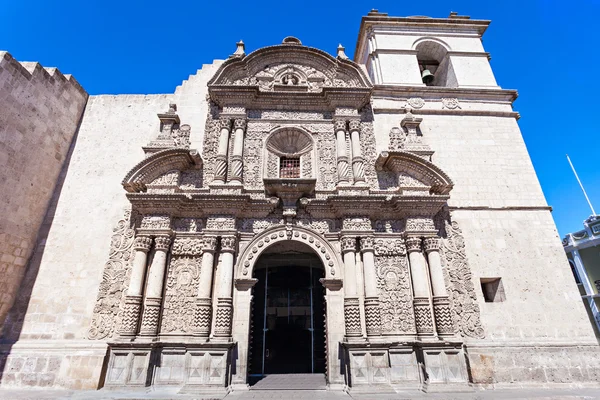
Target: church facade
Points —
{"points": [[376, 221]]}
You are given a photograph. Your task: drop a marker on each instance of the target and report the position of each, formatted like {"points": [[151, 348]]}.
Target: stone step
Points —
{"points": [[291, 382]]}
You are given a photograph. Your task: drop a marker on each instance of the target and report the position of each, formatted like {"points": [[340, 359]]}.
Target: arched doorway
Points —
{"points": [[287, 334]]}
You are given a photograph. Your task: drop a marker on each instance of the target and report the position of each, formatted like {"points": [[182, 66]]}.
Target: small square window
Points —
{"points": [[493, 290], [289, 167]]}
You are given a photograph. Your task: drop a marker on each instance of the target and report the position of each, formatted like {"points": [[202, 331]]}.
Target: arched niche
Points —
{"points": [[158, 164], [432, 54], [321, 247], [289, 143]]}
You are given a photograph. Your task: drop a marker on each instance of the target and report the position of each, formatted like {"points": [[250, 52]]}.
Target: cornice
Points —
{"points": [[436, 92]]}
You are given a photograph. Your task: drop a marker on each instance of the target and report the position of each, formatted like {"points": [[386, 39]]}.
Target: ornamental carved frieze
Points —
{"points": [[419, 224], [357, 224], [326, 155], [111, 291], [253, 156], [187, 246], [180, 295], [395, 298], [220, 223], [389, 247], [156, 222], [211, 142], [369, 151], [459, 281]]}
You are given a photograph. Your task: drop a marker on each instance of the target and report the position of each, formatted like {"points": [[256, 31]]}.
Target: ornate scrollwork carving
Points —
{"points": [[395, 296], [156, 222], [419, 224], [220, 223], [180, 294], [461, 290], [357, 224], [450, 103], [110, 292]]}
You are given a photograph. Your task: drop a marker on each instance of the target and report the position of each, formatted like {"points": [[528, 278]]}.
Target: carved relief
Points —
{"points": [[369, 152], [180, 295], [188, 224], [461, 289], [220, 223], [187, 246], [211, 143], [420, 224], [253, 146], [306, 160], [272, 165], [395, 296], [357, 224], [450, 103], [415, 102], [389, 226], [170, 178], [156, 222], [390, 247], [397, 139], [110, 292], [327, 170]]}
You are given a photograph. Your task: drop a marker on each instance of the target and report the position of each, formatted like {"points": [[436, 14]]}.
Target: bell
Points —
{"points": [[427, 77]]}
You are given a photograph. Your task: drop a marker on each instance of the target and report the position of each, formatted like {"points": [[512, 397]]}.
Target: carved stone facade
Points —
{"points": [[320, 165]]}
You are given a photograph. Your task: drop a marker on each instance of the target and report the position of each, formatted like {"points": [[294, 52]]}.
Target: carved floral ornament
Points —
{"points": [[320, 246]]}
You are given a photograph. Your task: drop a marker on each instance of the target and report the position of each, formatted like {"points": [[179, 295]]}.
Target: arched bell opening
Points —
{"points": [[287, 330]]}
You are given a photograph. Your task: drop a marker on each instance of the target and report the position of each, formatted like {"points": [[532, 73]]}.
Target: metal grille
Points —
{"points": [[289, 167]]}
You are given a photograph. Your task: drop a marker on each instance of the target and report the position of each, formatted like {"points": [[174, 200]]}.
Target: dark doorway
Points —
{"points": [[288, 317]]}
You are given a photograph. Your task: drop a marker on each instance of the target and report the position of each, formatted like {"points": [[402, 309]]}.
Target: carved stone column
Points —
{"points": [[342, 158], [420, 282], [372, 308], [133, 300], [441, 302], [351, 302], [203, 313], [221, 158], [225, 290], [358, 167], [237, 162], [154, 288]]}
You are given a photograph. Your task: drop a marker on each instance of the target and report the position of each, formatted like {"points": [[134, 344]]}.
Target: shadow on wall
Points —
{"points": [[13, 325]]}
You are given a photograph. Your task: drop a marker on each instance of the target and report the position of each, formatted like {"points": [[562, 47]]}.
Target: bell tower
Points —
{"points": [[424, 51]]}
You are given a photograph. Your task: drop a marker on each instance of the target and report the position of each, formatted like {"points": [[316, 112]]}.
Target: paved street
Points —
{"points": [[164, 394]]}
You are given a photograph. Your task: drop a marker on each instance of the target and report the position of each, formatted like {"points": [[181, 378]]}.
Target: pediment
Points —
{"points": [[412, 171], [289, 68], [162, 168]]}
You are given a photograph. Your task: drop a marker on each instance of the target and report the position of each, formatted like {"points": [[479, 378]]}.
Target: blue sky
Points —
{"points": [[546, 49]]}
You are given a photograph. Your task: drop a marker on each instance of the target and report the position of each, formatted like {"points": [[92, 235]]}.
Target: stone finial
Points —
{"points": [[240, 51], [172, 108], [340, 52]]}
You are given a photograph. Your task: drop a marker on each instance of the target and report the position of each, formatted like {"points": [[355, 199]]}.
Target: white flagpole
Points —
{"points": [[581, 185]]}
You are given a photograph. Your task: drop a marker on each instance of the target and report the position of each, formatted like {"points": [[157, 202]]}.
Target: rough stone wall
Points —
{"points": [[40, 110], [59, 291]]}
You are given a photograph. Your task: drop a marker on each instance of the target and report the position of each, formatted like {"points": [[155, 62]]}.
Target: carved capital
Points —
{"points": [[348, 243], [239, 123], [354, 125], [142, 243], [224, 123], [162, 243], [431, 244], [228, 243], [209, 243], [413, 244], [367, 243], [340, 125]]}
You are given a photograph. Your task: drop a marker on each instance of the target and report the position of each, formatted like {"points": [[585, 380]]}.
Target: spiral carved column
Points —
{"points": [[203, 312], [342, 157], [221, 158], [441, 302], [358, 163], [372, 307], [351, 303], [154, 288], [237, 162], [420, 282], [133, 299], [224, 314]]}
